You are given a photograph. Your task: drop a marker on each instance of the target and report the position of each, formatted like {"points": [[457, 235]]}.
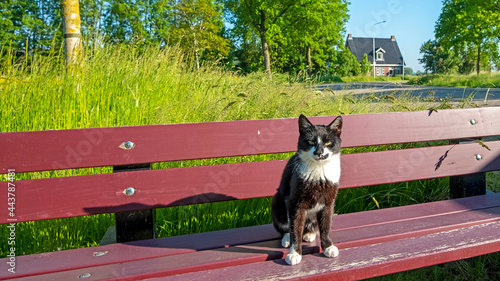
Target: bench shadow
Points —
{"points": [[191, 200], [229, 240]]}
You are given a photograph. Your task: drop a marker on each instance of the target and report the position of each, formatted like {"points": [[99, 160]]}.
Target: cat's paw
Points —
{"points": [[309, 237], [285, 241], [293, 258], [331, 251]]}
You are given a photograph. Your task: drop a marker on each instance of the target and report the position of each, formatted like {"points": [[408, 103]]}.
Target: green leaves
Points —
{"points": [[469, 26], [195, 26], [298, 34], [285, 35], [438, 59]]}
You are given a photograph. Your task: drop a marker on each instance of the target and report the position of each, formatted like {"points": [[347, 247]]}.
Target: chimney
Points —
{"points": [[349, 36], [393, 38]]}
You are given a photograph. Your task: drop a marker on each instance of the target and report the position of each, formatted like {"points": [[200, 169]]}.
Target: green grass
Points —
{"points": [[483, 80], [118, 86]]}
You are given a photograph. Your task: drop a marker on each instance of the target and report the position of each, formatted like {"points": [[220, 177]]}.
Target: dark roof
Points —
{"points": [[361, 45]]}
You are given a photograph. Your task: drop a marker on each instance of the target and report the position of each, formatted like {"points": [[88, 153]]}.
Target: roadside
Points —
{"points": [[480, 96]]}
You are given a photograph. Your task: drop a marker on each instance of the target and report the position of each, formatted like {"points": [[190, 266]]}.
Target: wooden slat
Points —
{"points": [[48, 150], [364, 169], [349, 230], [51, 198], [369, 261], [344, 238]]}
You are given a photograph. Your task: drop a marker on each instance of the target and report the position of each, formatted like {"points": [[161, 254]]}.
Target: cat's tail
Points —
{"points": [[279, 214]]}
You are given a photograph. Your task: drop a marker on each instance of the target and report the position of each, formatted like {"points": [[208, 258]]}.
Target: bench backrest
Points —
{"points": [[59, 197]]}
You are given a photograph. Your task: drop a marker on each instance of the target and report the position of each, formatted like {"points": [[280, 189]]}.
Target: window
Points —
{"points": [[380, 56], [380, 71]]}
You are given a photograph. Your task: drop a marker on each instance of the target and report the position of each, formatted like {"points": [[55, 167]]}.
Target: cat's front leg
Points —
{"points": [[296, 231], [325, 221]]}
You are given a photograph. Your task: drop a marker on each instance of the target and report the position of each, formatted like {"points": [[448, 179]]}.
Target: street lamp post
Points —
{"points": [[373, 54], [403, 63]]}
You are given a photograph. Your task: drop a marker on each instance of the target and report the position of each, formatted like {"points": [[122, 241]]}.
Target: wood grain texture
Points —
{"points": [[80, 148], [368, 261], [196, 252]]}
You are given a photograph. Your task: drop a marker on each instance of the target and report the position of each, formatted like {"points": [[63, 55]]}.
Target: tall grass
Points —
{"points": [[117, 86], [123, 86]]}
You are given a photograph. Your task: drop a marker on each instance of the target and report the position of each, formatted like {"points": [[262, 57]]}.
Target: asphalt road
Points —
{"points": [[489, 95]]}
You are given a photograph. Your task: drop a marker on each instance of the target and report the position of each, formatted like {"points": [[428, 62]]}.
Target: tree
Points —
{"points": [[123, 20], [263, 16], [10, 23], [145, 21], [248, 54], [347, 64], [196, 25], [92, 14], [71, 12], [438, 59], [365, 65], [295, 34], [30, 24], [316, 27], [266, 17], [469, 24]]}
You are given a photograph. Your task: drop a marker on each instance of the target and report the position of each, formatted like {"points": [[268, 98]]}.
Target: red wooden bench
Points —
{"points": [[371, 243]]}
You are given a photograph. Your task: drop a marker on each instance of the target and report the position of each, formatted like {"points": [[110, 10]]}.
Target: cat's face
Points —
{"points": [[319, 142]]}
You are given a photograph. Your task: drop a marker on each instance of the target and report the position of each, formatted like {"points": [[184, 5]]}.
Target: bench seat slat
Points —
{"points": [[271, 250], [350, 230], [370, 260], [50, 198], [81, 148]]}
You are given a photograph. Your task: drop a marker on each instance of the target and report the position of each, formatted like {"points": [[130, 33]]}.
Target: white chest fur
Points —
{"points": [[313, 170]]}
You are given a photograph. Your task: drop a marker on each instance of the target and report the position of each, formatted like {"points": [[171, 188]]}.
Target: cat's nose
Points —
{"points": [[318, 151]]}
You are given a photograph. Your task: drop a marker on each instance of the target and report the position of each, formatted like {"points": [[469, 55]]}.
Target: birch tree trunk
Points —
{"points": [[265, 52], [265, 45], [71, 15], [309, 62], [478, 64], [196, 52]]}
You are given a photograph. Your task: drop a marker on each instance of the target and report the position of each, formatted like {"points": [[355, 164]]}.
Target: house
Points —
{"points": [[388, 58]]}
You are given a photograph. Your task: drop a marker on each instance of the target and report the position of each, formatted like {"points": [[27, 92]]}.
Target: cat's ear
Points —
{"points": [[304, 124], [336, 125]]}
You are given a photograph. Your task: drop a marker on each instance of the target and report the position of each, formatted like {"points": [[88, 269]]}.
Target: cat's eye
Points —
{"points": [[311, 142], [328, 143]]}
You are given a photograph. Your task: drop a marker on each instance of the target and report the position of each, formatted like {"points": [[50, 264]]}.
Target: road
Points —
{"points": [[483, 95]]}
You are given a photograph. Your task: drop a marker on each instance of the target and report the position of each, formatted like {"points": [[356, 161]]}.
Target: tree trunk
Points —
{"points": [[265, 52], [196, 53], [478, 58], [309, 63], [195, 45], [71, 14], [265, 45]]}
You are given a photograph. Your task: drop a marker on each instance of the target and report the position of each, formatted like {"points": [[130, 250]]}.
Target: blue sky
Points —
{"points": [[411, 21]]}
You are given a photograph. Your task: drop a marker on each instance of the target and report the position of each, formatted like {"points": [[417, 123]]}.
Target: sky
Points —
{"points": [[410, 21]]}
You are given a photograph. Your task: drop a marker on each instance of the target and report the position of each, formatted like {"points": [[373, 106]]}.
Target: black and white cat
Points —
{"points": [[303, 206]]}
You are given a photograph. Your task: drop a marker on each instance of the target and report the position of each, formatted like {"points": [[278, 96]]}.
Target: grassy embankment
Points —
{"points": [[123, 87], [483, 80]]}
